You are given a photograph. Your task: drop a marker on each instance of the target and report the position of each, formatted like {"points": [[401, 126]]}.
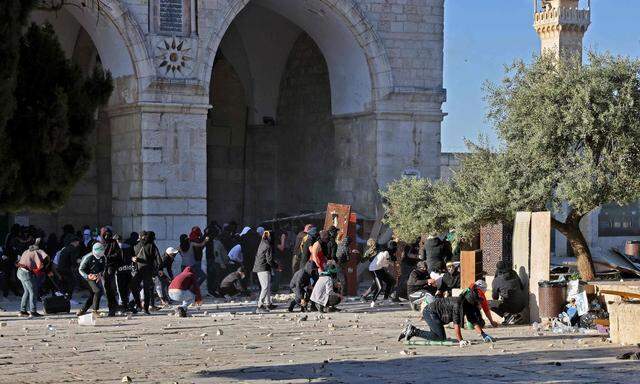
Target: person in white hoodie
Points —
{"points": [[378, 267]]}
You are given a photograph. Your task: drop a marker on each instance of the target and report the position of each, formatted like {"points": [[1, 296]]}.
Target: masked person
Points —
{"points": [[449, 280], [302, 284], [444, 310], [320, 250], [146, 254], [323, 294], [378, 267], [113, 260], [297, 248], [343, 256], [436, 252], [419, 285], [31, 265], [509, 296], [91, 269], [407, 264], [124, 275]]}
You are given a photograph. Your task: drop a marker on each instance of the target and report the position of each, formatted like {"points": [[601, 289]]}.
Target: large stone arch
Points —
{"points": [[119, 40], [360, 31]]}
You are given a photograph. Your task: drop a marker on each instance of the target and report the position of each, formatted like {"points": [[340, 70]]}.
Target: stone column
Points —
{"points": [[159, 169]]}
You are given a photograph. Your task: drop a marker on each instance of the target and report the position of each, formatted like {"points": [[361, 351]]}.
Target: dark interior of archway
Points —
{"points": [[259, 171]]}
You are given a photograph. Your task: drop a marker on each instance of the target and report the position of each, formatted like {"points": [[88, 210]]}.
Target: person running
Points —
{"points": [[378, 267], [264, 263], [302, 284], [31, 265], [91, 269], [444, 310], [323, 294], [184, 288], [124, 275]]}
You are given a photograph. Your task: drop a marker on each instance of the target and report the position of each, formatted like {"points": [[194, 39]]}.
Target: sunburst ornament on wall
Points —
{"points": [[174, 58]]}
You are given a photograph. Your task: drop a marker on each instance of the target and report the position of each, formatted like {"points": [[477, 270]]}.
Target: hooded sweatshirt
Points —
{"points": [[187, 281]]}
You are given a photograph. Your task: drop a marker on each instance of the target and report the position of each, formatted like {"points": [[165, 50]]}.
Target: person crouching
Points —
{"points": [[323, 294], [302, 284], [185, 288]]}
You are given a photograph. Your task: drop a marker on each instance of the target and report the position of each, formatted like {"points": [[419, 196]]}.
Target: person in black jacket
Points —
{"points": [[264, 263], [407, 265], [509, 296], [113, 259], [442, 311], [68, 264], [146, 253], [450, 280], [233, 284], [302, 285], [124, 275], [437, 253], [419, 284], [165, 274]]}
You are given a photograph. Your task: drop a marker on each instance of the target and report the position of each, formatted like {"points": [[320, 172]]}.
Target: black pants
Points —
{"points": [[144, 277], [10, 281], [301, 294], [111, 288], [124, 280], [68, 282], [95, 294], [502, 309], [382, 276], [401, 288]]}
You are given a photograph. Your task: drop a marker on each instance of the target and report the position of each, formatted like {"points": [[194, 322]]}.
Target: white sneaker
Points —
{"points": [[373, 304]]}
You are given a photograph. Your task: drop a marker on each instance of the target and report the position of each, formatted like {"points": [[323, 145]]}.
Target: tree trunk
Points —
{"points": [[571, 230]]}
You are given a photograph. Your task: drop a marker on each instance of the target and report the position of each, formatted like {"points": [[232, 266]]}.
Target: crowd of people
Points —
{"points": [[135, 275]]}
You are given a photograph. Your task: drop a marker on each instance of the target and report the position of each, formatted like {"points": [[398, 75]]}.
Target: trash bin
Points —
{"points": [[552, 298]]}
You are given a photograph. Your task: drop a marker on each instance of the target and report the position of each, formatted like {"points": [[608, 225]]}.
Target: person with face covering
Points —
{"points": [[188, 249], [419, 284], [264, 263], [444, 310], [91, 269], [302, 284], [297, 248], [146, 254], [113, 257]]}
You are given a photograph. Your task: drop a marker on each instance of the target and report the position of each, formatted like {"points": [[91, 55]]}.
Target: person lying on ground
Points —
{"points": [[444, 310]]}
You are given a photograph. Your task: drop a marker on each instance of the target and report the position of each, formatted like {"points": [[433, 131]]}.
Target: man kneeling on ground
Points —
{"points": [[323, 294], [450, 309], [509, 296], [233, 284], [302, 284], [184, 288]]}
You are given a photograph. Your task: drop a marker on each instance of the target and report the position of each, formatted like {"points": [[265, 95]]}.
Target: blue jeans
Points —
{"points": [[187, 297], [436, 328], [29, 283]]}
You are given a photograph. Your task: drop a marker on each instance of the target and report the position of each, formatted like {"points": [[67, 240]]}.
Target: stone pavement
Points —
{"points": [[225, 343]]}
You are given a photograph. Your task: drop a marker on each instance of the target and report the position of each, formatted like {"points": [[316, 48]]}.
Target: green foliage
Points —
{"points": [[13, 16], [411, 209], [571, 132], [54, 116]]}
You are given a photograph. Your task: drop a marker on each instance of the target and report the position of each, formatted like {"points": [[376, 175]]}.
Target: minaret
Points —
{"points": [[561, 26]]}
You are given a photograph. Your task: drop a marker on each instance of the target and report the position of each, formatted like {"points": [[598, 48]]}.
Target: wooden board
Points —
{"points": [[470, 267], [520, 248], [340, 216], [540, 260]]}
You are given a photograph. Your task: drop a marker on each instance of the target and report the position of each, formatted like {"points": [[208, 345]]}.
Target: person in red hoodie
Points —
{"points": [[185, 288]]}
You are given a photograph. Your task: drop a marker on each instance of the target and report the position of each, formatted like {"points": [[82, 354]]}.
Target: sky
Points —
{"points": [[481, 36]]}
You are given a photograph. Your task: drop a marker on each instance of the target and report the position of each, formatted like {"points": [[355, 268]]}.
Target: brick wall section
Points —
{"points": [[412, 32], [306, 152], [495, 242]]}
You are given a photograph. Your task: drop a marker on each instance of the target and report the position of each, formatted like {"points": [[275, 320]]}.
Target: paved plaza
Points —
{"points": [[225, 343]]}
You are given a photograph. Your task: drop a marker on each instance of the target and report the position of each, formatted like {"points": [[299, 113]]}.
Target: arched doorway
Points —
{"points": [[289, 71]]}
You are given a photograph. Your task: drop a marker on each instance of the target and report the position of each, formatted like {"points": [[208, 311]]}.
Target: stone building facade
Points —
{"points": [[244, 109]]}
